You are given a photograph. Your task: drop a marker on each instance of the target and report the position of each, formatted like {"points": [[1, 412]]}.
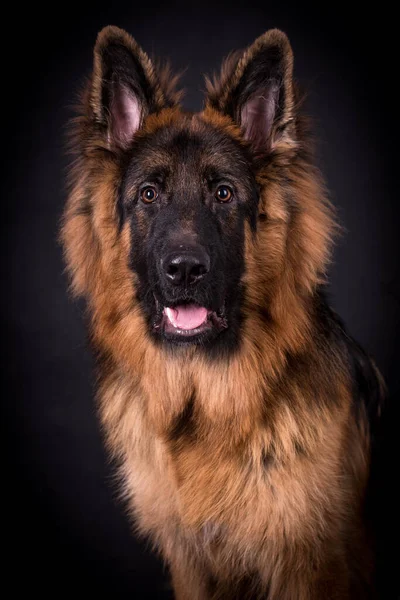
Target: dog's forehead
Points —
{"points": [[192, 145]]}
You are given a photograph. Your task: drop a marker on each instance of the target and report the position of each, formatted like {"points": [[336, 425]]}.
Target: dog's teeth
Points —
{"points": [[171, 315]]}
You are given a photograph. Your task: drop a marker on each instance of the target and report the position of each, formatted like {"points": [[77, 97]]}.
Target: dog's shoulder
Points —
{"points": [[368, 386]]}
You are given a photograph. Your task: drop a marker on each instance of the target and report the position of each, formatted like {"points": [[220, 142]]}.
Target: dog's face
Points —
{"points": [[196, 222], [187, 192]]}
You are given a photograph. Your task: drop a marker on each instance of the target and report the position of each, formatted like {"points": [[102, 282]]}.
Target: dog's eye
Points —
{"points": [[148, 194], [223, 193]]}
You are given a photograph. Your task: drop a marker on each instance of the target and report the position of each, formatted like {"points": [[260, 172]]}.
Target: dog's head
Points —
{"points": [[190, 214]]}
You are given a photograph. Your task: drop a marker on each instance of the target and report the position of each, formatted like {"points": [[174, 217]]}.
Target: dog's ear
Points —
{"points": [[126, 86], [255, 88]]}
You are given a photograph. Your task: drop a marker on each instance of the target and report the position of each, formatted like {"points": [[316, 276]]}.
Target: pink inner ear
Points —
{"points": [[126, 115], [257, 117]]}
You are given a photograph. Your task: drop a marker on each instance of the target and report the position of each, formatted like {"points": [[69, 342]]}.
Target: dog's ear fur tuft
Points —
{"points": [[255, 88], [126, 86]]}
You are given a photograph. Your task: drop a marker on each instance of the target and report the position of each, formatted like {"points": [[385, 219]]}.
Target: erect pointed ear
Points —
{"points": [[255, 89], [126, 86]]}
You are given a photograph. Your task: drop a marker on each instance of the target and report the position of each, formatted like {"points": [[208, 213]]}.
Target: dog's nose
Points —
{"points": [[186, 267]]}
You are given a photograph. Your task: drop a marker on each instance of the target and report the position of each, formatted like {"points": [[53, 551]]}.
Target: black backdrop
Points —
{"points": [[68, 532]]}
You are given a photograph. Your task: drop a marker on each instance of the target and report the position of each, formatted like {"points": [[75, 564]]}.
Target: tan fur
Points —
{"points": [[272, 476]]}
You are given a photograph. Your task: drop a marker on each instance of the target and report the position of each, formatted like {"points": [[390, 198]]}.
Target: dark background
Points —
{"points": [[67, 531]]}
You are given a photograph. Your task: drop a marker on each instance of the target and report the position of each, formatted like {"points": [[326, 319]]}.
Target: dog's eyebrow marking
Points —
{"points": [[222, 177], [157, 175], [214, 175]]}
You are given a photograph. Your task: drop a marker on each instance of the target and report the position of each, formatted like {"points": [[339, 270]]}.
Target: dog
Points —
{"points": [[233, 400]]}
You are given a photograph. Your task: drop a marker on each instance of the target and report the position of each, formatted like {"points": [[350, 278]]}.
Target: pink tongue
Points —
{"points": [[188, 316]]}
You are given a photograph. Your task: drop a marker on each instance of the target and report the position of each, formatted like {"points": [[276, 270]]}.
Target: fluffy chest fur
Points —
{"points": [[238, 494]]}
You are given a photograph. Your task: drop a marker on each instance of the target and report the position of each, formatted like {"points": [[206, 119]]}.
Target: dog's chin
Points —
{"points": [[188, 323]]}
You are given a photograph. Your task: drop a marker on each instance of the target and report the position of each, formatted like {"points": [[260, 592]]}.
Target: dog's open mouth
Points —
{"points": [[189, 322], [186, 318]]}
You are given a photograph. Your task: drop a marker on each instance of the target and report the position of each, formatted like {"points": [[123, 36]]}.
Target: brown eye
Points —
{"points": [[149, 194], [223, 193]]}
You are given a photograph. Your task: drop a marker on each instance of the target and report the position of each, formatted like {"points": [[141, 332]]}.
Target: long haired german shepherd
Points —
{"points": [[229, 392]]}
